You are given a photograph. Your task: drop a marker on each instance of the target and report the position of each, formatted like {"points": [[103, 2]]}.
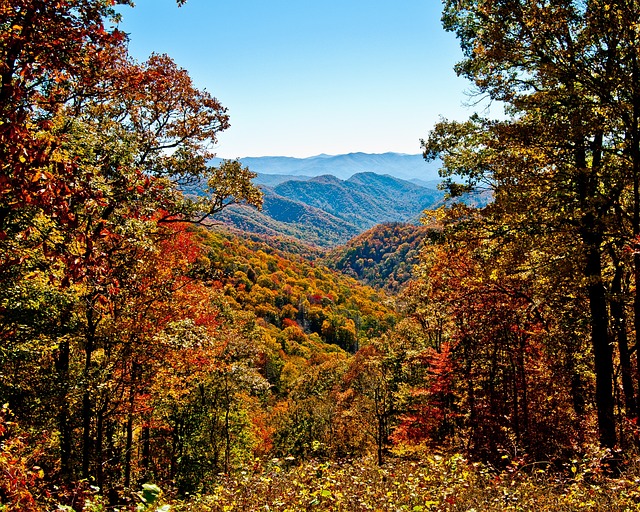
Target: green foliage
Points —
{"points": [[150, 497]]}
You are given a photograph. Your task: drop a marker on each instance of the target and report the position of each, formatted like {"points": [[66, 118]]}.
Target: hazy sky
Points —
{"points": [[305, 77]]}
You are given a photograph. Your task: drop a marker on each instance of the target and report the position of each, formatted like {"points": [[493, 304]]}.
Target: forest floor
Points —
{"points": [[434, 482]]}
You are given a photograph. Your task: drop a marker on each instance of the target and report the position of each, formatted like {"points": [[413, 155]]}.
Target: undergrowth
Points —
{"points": [[434, 482], [414, 482]]}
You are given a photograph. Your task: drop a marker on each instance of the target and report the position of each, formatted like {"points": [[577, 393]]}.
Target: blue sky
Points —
{"points": [[304, 77]]}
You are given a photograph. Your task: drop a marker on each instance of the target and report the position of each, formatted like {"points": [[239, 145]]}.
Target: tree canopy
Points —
{"points": [[563, 165]]}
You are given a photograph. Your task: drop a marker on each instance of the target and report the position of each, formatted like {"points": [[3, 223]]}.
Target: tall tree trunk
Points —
{"points": [[523, 383], [146, 451], [176, 447], [471, 398], [62, 369], [602, 351], [380, 408], [87, 409], [128, 449], [516, 409], [634, 137], [591, 233], [227, 428], [99, 451]]}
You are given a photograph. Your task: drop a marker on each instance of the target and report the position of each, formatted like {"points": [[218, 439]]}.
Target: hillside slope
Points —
{"points": [[281, 216], [297, 301], [327, 211], [382, 257]]}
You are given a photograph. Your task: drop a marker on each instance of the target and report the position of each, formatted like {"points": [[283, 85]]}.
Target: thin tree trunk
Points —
{"points": [[62, 369], [176, 448], [227, 430], [128, 450], [516, 409], [635, 163], [87, 409], [146, 451], [473, 416], [620, 328], [523, 383], [379, 407], [99, 451]]}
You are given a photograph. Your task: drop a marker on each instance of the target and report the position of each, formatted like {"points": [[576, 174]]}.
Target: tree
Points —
{"points": [[370, 377], [497, 361], [200, 394], [87, 133], [100, 156], [563, 163]]}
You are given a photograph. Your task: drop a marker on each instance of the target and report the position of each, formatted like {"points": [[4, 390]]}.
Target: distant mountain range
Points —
{"points": [[327, 200], [327, 211], [398, 165]]}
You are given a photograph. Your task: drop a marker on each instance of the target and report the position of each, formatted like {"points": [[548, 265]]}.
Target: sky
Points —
{"points": [[301, 78]]}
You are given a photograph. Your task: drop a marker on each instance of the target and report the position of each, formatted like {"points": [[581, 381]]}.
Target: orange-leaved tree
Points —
{"points": [[98, 154]]}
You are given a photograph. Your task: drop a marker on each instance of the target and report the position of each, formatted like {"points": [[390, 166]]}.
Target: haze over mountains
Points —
{"points": [[327, 200], [398, 165]]}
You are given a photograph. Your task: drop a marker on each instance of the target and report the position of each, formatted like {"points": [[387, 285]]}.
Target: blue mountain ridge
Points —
{"points": [[398, 165], [327, 211]]}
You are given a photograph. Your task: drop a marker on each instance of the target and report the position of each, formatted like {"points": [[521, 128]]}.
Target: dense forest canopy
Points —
{"points": [[141, 349], [564, 165]]}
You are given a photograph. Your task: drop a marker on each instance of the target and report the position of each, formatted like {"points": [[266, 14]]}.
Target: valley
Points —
{"points": [[327, 210]]}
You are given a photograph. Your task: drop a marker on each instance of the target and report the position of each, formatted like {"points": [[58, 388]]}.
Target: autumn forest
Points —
{"points": [[487, 359]]}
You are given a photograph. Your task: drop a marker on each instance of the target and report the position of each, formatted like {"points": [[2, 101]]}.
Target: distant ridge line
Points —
{"points": [[399, 165], [322, 155]]}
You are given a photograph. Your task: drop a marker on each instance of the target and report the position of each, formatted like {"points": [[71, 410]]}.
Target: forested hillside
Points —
{"points": [[327, 211], [384, 256], [152, 361], [281, 216], [285, 290]]}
